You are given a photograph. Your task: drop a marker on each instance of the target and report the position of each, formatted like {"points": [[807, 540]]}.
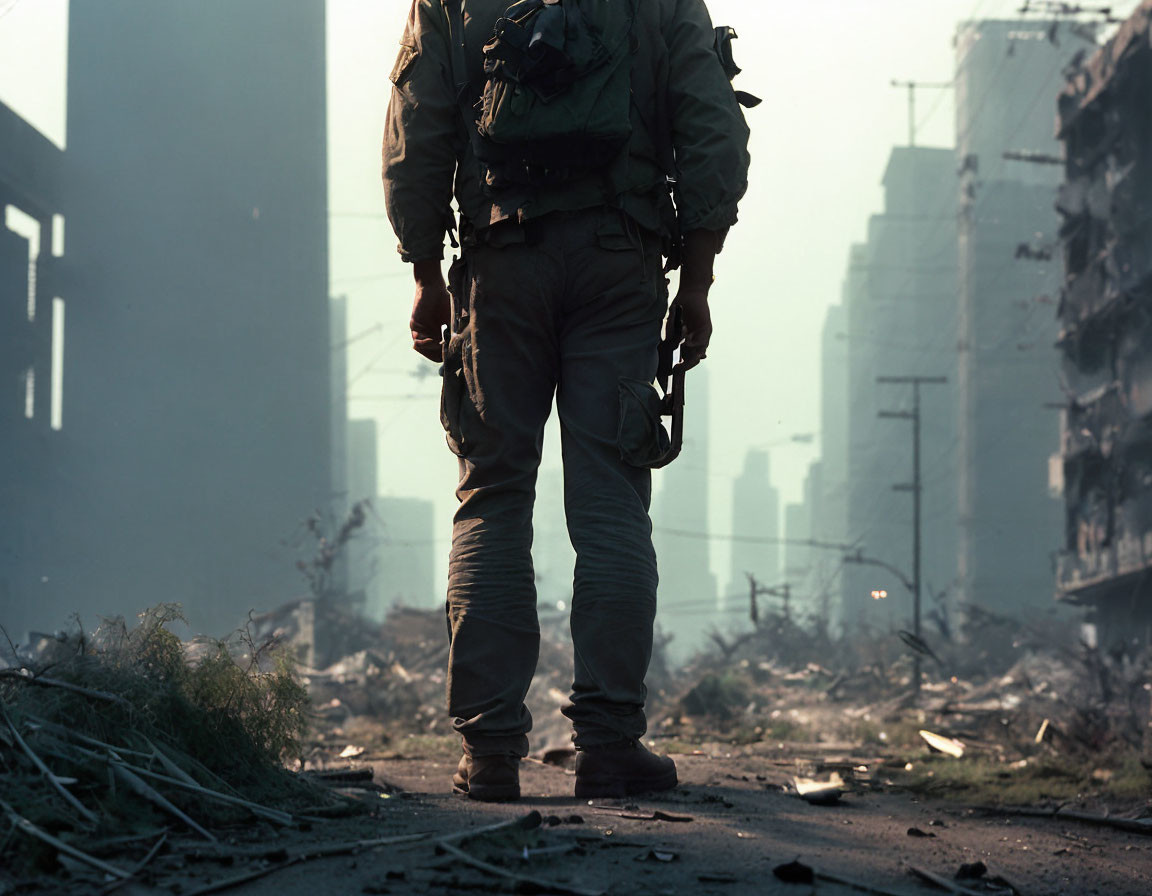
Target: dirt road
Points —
{"points": [[723, 831]]}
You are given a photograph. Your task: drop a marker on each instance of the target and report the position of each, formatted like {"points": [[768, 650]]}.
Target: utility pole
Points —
{"points": [[912, 87], [917, 489], [755, 589], [1061, 8]]}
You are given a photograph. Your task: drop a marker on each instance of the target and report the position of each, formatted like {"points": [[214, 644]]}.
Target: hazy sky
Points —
{"points": [[820, 144]]}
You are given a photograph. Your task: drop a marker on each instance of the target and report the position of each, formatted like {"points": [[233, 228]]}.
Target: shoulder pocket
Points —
{"points": [[403, 65]]}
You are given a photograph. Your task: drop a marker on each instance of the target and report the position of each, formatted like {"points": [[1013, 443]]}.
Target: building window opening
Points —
{"points": [[57, 397], [25, 225], [58, 236], [29, 393]]}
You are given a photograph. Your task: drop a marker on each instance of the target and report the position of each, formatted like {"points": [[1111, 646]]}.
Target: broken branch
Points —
{"points": [[152, 795], [229, 882], [31, 830], [88, 816], [525, 822], [944, 883], [28, 678], [274, 815], [854, 885], [1131, 825], [140, 866], [545, 886], [656, 815]]}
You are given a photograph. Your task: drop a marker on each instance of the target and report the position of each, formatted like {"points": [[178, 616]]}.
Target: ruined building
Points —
{"points": [[830, 486], [407, 556], [1008, 74], [755, 515], [898, 320], [194, 411], [32, 293], [1106, 333]]}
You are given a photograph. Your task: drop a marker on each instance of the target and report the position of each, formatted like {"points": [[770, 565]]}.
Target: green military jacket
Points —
{"points": [[687, 128]]}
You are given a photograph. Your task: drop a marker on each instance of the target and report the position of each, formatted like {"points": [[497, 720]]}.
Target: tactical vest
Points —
{"points": [[556, 100]]}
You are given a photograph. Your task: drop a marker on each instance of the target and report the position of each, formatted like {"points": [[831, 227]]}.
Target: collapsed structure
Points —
{"points": [[1105, 343]]}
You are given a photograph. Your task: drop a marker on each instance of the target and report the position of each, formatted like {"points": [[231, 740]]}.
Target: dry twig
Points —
{"points": [[88, 815], [1131, 825], [229, 882], [945, 884], [274, 815], [140, 866], [544, 886], [31, 830], [41, 681], [149, 793], [320, 852]]}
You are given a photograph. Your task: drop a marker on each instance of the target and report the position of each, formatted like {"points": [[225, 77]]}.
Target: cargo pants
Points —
{"points": [[569, 305]]}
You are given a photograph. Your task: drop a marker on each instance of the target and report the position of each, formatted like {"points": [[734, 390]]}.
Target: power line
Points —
{"points": [[974, 118], [912, 87], [375, 216], [368, 278], [398, 396], [754, 539], [376, 328]]}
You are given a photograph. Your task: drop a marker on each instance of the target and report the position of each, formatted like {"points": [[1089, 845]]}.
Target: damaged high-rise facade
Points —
{"points": [[1008, 75], [956, 280], [756, 517], [898, 320], [32, 295], [171, 336], [1105, 341]]}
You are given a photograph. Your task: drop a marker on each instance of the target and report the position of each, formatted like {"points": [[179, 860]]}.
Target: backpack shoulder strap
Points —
{"points": [[454, 10]]}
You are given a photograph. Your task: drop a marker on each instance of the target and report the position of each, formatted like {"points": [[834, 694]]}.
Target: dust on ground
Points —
{"points": [[807, 765]]}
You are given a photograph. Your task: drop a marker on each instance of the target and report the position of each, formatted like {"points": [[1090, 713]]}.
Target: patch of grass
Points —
{"points": [[786, 730], [716, 696], [896, 733], [674, 745], [1130, 779], [237, 708], [1032, 782], [771, 731], [429, 746], [227, 719]]}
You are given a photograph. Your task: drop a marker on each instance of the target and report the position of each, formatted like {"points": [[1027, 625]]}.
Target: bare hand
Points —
{"points": [[431, 310], [693, 304], [700, 249]]}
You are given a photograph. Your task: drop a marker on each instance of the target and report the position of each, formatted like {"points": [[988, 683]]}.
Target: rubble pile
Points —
{"points": [[1004, 688], [113, 744], [375, 683]]}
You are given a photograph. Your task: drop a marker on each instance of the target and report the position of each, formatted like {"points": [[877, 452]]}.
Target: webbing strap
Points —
{"points": [[454, 10]]}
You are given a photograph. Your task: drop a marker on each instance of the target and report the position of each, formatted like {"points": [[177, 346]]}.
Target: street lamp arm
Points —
{"points": [[872, 561]]}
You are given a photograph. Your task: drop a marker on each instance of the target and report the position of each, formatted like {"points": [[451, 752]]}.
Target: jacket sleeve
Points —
{"points": [[709, 134], [423, 135]]}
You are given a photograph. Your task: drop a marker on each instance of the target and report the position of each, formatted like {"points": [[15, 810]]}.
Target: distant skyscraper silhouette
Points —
{"points": [[197, 358]]}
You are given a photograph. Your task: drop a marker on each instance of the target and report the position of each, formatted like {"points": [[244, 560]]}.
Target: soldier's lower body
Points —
{"points": [[566, 306]]}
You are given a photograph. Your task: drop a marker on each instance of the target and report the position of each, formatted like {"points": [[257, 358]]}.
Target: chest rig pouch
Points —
{"points": [[556, 99]]}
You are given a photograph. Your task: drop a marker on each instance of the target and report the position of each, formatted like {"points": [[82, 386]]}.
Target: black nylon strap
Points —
{"points": [[454, 10]]}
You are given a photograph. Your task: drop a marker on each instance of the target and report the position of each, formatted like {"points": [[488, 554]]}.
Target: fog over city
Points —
{"points": [[904, 555], [831, 154]]}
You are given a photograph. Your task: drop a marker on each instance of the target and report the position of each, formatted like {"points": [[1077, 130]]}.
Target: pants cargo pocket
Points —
{"points": [[641, 437]]}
